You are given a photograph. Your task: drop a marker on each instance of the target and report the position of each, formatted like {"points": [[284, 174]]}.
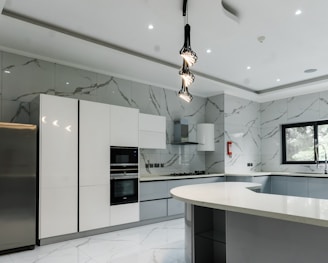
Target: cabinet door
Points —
{"points": [[94, 147], [58, 166], [58, 141], [297, 186], [279, 185], [153, 190], [123, 214], [318, 188], [152, 131], [124, 125], [153, 209], [265, 183], [174, 207], [94, 207]]}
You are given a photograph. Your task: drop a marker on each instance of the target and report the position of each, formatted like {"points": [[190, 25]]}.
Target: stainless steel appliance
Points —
{"points": [[18, 161], [124, 175]]}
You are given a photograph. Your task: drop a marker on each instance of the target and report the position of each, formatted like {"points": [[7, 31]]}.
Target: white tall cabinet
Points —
{"points": [[58, 169], [94, 163]]}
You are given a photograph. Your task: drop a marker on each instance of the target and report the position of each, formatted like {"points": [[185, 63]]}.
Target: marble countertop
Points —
{"points": [[145, 178], [237, 197]]}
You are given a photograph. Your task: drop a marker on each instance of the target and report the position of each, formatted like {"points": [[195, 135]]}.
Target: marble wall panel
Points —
{"points": [[241, 111], [323, 105], [148, 99], [242, 127], [27, 78], [114, 91], [214, 113], [75, 83], [273, 113], [303, 108], [15, 111]]}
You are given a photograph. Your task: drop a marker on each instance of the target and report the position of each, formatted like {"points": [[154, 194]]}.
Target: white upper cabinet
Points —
{"points": [[58, 166], [152, 131], [205, 137], [124, 126]]}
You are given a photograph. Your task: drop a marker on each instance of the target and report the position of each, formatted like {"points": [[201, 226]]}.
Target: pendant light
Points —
{"points": [[187, 77], [189, 59], [184, 93], [186, 52]]}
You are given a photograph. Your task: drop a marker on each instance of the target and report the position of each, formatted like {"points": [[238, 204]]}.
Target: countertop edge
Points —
{"points": [[240, 189]]}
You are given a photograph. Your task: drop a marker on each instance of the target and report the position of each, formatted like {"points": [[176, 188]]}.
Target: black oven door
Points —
{"points": [[123, 191]]}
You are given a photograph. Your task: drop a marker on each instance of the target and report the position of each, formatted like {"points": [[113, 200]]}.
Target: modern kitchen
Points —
{"points": [[107, 157]]}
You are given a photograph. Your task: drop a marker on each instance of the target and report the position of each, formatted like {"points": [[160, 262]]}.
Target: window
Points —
{"points": [[304, 143]]}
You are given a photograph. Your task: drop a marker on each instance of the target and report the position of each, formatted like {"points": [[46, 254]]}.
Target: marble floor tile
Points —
{"points": [[156, 243]]}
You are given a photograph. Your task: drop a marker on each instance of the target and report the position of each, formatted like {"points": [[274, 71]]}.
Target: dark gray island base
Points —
{"points": [[214, 235]]}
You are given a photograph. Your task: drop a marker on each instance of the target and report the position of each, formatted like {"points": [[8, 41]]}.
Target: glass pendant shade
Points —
{"points": [[187, 77], [184, 93], [186, 52]]}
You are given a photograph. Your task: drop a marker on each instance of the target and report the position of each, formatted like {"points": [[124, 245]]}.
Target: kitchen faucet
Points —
{"points": [[316, 150]]}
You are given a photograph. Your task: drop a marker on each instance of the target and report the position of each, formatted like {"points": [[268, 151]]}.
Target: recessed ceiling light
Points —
{"points": [[67, 83], [7, 71], [249, 67], [150, 26], [208, 51], [310, 70], [298, 12], [277, 80]]}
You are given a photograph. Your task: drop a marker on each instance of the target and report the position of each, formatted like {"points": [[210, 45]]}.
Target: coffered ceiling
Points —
{"points": [[264, 50]]}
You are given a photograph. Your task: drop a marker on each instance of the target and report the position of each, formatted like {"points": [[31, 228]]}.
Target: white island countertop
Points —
{"points": [[237, 197]]}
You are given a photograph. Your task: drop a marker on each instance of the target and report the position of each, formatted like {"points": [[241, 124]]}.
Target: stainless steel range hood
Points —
{"points": [[181, 133]]}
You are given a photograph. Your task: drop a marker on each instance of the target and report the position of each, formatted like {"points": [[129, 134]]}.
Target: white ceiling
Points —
{"points": [[112, 37]]}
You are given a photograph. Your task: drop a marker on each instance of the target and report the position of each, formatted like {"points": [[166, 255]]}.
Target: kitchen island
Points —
{"points": [[230, 222]]}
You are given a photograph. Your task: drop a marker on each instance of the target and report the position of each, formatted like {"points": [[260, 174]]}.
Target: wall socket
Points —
{"points": [[249, 164], [154, 165]]}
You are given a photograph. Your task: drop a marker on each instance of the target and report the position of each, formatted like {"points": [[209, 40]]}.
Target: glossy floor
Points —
{"points": [[156, 243]]}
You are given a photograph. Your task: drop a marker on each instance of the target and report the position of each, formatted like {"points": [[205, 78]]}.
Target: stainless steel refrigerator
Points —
{"points": [[18, 162]]}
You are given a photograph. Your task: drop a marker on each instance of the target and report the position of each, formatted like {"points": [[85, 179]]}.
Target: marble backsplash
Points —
{"points": [[23, 78]]}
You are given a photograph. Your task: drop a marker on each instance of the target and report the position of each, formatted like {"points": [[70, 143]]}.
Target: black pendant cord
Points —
{"points": [[187, 36], [184, 7]]}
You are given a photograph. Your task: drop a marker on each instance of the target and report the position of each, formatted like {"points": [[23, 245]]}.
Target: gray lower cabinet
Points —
{"points": [[297, 186], [279, 185], [153, 190], [265, 182], [318, 188], [153, 209], [174, 207], [156, 201]]}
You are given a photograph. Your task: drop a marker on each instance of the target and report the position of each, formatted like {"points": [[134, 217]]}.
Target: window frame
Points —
{"points": [[315, 125]]}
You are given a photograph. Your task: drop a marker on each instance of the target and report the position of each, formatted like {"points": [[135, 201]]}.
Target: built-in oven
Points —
{"points": [[124, 175], [123, 156]]}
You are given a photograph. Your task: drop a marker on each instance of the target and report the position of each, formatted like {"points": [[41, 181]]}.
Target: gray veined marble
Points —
{"points": [[303, 108], [27, 77]]}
